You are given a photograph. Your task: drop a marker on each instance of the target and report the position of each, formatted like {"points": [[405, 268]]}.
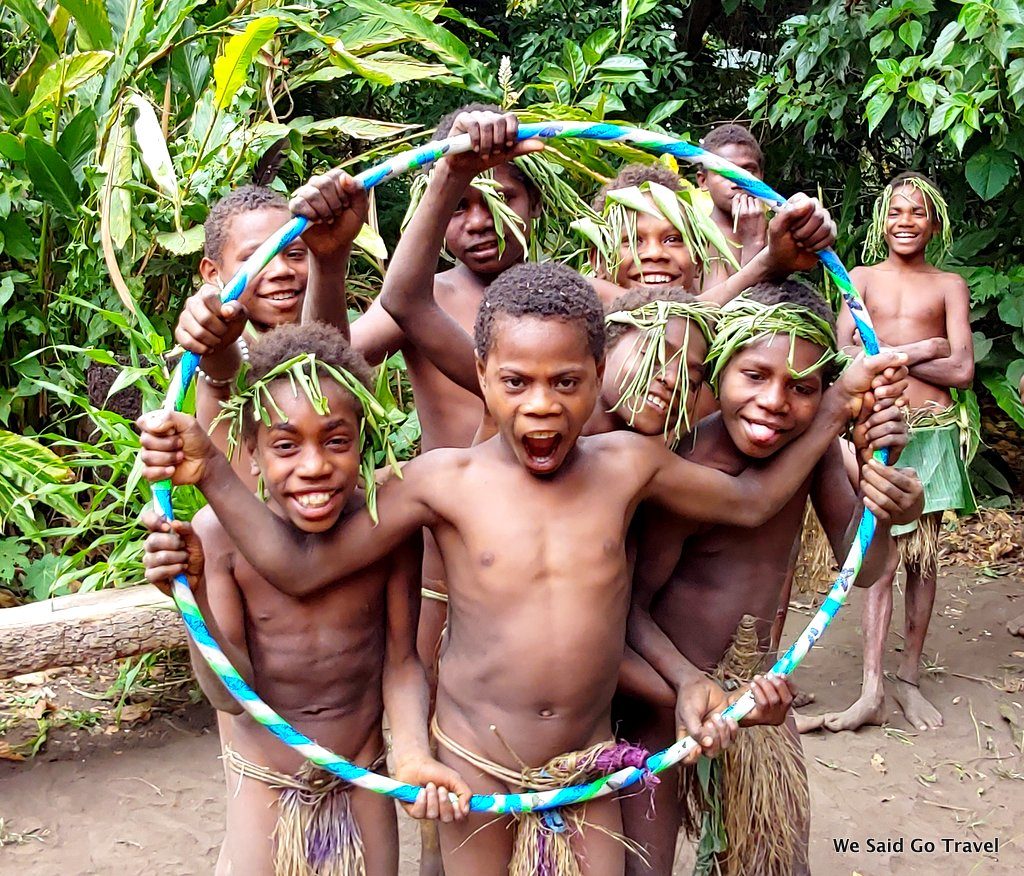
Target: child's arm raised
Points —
{"points": [[296, 563], [337, 206], [754, 496], [408, 293], [800, 229], [407, 697]]}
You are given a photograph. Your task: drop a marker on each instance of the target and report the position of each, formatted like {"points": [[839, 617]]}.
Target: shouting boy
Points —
{"points": [[705, 596], [924, 312], [531, 526], [330, 662]]}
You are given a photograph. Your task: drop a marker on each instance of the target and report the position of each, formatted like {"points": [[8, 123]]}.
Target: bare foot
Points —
{"points": [[1016, 626], [918, 711], [868, 710], [803, 697], [808, 723]]}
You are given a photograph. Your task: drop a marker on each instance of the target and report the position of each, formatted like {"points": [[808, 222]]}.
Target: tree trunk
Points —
{"points": [[87, 628]]}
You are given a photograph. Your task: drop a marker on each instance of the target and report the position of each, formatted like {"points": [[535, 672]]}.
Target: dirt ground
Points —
{"points": [[147, 797]]}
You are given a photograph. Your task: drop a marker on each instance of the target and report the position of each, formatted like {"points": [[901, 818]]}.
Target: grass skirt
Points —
{"points": [[542, 844], [315, 834], [815, 564], [749, 806], [937, 451]]}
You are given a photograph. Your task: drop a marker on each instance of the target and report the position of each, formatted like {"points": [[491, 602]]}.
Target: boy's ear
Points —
{"points": [[597, 265], [536, 206], [600, 371], [209, 271], [254, 466], [702, 179], [481, 371]]}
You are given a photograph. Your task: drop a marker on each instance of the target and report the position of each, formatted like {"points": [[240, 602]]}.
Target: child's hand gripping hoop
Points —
{"points": [[656, 763]]}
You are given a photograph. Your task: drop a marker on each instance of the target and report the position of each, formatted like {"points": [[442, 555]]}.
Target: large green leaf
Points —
{"points": [[232, 67], [353, 126], [1005, 394], [167, 24], [93, 23], [30, 13], [115, 206], [442, 43], [153, 148], [66, 74], [182, 242], [11, 147], [29, 472], [989, 171], [387, 68], [78, 140], [11, 106], [51, 177]]}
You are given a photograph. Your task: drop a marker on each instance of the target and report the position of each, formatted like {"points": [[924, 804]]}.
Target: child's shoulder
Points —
{"points": [[950, 280], [211, 533], [444, 460]]}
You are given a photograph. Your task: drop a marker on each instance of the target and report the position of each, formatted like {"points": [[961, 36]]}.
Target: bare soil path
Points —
{"points": [[149, 797]]}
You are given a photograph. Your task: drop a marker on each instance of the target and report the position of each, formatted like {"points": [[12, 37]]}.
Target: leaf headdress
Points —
{"points": [[875, 248], [649, 357], [617, 223], [381, 417], [560, 204], [743, 322]]}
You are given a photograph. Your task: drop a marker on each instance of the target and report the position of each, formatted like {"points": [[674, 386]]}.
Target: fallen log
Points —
{"points": [[87, 628]]}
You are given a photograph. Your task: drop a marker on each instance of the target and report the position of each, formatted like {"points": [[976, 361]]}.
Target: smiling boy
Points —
{"points": [[327, 662], [706, 595], [925, 312], [300, 281], [531, 525], [645, 241]]}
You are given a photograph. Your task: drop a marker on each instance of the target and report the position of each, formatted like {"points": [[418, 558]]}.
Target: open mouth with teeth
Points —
{"points": [[659, 404], [655, 278], [541, 448], [283, 298], [316, 505]]}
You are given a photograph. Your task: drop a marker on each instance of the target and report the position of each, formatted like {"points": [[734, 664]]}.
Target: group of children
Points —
{"points": [[599, 574]]}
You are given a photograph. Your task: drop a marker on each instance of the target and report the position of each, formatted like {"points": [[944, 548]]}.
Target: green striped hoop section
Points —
{"points": [[656, 763]]}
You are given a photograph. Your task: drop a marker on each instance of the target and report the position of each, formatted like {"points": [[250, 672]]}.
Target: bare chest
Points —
{"points": [[351, 609], [905, 313], [504, 531]]}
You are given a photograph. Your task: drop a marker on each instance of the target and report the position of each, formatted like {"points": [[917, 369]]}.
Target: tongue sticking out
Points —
{"points": [[761, 433]]}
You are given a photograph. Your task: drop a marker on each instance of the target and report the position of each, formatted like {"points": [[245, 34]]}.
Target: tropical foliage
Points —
{"points": [[121, 121]]}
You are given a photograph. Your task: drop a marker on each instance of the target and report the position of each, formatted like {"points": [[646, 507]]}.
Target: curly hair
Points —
{"points": [[241, 200], [638, 297], [548, 291], [792, 291], [286, 342], [635, 175], [733, 135], [444, 127]]}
